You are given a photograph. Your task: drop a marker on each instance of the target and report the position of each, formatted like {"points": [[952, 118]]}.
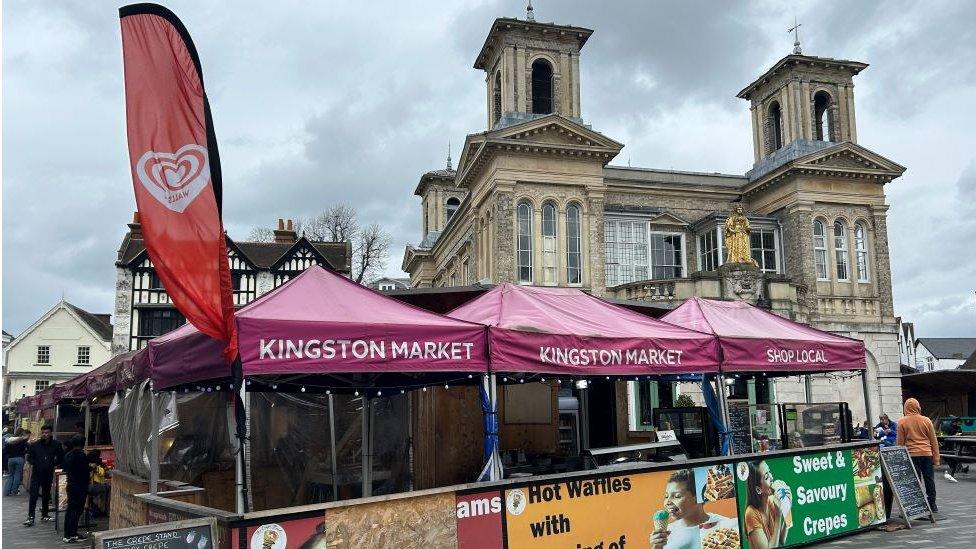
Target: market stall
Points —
{"points": [[758, 343], [584, 342]]}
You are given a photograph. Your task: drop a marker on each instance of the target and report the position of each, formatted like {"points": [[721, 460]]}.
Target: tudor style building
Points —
{"points": [[144, 311], [535, 201]]}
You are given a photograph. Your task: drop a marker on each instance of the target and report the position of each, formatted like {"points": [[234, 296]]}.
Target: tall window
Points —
{"points": [[666, 256], [40, 385], [840, 250], [156, 322], [549, 254], [541, 87], [763, 247], [574, 256], [820, 249], [823, 123], [861, 248], [43, 354], [626, 252], [524, 250], [452, 207], [709, 257], [497, 98], [84, 355], [775, 127]]}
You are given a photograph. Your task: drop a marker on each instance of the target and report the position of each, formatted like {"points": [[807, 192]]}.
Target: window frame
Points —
{"points": [[841, 251], [617, 250], [448, 212], [519, 250], [776, 253], [37, 355], [683, 252], [578, 222], [861, 253], [532, 86], [37, 385], [715, 251], [820, 252], [87, 359], [550, 243]]}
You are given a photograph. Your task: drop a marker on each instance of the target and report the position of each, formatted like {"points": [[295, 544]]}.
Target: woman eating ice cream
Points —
{"points": [[688, 519]]}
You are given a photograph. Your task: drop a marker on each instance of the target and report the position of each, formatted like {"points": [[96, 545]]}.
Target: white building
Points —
{"points": [[387, 284], [942, 353], [65, 342], [906, 343]]}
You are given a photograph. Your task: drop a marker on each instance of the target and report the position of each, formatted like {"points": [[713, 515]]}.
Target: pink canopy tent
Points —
{"points": [[323, 323], [756, 340], [567, 331]]}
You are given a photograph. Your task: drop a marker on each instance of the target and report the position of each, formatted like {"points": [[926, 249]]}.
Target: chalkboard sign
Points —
{"points": [[183, 534], [739, 427], [900, 472]]}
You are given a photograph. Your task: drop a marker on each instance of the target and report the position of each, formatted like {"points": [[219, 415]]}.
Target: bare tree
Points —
{"points": [[372, 249], [261, 234], [370, 245]]}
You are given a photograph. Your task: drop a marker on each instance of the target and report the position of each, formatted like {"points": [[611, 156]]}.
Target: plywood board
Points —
{"points": [[405, 523]]}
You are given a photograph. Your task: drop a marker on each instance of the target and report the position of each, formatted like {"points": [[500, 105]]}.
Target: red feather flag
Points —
{"points": [[176, 168]]}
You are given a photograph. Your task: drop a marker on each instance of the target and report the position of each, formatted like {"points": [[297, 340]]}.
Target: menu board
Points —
{"points": [[798, 499], [739, 427], [900, 471], [184, 534], [692, 507]]}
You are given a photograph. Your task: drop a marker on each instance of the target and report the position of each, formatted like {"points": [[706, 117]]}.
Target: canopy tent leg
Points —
{"points": [[87, 405], [332, 445], [808, 388], [367, 447], [723, 398], [489, 406], [153, 443], [867, 395], [240, 464]]}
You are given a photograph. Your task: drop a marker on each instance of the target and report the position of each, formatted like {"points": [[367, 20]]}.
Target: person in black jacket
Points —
{"points": [[43, 455], [75, 466]]}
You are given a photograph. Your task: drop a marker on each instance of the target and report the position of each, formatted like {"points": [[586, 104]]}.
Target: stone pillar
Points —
{"points": [[577, 109], [798, 250], [852, 121], [521, 105], [122, 316], [840, 114], [882, 263], [757, 138], [504, 238], [594, 262]]}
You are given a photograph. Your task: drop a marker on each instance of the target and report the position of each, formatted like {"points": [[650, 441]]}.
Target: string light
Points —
{"points": [[275, 387], [401, 391], [302, 389], [446, 386], [425, 389], [328, 392], [218, 388], [379, 393]]}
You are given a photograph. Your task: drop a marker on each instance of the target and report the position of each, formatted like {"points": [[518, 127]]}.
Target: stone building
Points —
{"points": [[534, 200], [143, 310]]}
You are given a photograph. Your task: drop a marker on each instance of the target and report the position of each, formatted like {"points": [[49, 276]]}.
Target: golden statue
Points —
{"points": [[737, 238]]}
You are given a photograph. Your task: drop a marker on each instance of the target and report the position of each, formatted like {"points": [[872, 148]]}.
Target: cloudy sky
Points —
{"points": [[323, 102]]}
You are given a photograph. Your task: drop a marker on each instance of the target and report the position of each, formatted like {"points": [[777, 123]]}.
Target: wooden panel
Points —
{"points": [[527, 403], [537, 439], [423, 428], [420, 522], [125, 510], [459, 439]]}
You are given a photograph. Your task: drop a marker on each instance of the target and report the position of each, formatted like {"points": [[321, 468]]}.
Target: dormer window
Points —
{"points": [[541, 87]]}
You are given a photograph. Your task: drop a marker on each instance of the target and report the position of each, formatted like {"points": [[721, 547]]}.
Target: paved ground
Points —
{"points": [[955, 524], [42, 534]]}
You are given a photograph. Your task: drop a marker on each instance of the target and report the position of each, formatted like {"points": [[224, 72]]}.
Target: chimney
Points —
{"points": [[135, 228], [285, 234]]}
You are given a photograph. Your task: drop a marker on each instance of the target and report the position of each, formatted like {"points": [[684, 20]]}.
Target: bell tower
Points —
{"points": [[531, 69], [802, 99]]}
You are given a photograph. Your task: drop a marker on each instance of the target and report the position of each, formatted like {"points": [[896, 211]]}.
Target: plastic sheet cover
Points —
{"points": [[129, 418], [197, 447]]}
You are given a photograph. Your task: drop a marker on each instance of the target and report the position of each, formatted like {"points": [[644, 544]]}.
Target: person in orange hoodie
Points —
{"points": [[916, 432]]}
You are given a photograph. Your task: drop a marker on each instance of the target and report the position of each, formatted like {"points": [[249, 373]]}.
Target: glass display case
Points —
{"points": [[693, 428], [808, 425]]}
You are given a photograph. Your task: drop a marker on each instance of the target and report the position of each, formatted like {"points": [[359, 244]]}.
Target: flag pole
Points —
{"points": [[240, 417]]}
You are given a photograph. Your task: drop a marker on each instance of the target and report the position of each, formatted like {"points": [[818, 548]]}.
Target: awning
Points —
{"points": [[323, 323], [568, 331], [756, 340]]}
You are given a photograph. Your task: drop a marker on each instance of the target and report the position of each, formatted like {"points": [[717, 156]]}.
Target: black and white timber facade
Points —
{"points": [[143, 309]]}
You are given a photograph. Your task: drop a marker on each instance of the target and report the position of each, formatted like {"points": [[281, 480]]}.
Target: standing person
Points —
{"points": [[886, 431], [14, 451], [76, 467], [917, 433], [44, 455]]}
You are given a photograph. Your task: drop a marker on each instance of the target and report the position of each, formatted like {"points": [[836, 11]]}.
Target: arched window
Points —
{"points": [[452, 206], [823, 122], [574, 254], [840, 250], [820, 249], [861, 247], [541, 87], [774, 125], [524, 248], [497, 98], [550, 258]]}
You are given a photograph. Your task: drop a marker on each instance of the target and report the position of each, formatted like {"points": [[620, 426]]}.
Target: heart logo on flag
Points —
{"points": [[175, 179]]}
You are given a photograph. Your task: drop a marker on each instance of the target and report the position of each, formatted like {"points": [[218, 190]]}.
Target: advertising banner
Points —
{"points": [[479, 520], [683, 508], [795, 499], [285, 533]]}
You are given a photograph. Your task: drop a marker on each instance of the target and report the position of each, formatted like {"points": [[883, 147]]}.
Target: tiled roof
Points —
{"points": [[957, 348], [99, 323], [262, 254]]}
